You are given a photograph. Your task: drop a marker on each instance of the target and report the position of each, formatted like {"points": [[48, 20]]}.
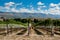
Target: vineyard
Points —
{"points": [[35, 33], [20, 30]]}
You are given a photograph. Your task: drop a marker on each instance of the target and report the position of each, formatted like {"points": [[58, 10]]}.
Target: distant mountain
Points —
{"points": [[27, 15]]}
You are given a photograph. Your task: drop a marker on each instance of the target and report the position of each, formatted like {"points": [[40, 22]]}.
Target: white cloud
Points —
{"points": [[32, 10], [13, 5], [24, 10], [44, 6], [9, 4], [7, 8], [39, 8], [52, 9], [40, 3], [17, 4], [53, 5], [14, 10]]}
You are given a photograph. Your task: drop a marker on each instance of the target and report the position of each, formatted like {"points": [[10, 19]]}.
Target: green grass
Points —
{"points": [[14, 22]]}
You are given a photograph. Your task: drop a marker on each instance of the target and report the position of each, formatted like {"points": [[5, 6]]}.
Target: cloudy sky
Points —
{"points": [[31, 6]]}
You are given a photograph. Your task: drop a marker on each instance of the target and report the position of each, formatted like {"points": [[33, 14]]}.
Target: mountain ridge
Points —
{"points": [[27, 15]]}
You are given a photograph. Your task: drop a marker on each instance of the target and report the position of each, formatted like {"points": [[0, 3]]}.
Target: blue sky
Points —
{"points": [[31, 6], [28, 2]]}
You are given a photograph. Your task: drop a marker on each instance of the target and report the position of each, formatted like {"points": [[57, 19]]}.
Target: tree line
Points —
{"points": [[46, 22]]}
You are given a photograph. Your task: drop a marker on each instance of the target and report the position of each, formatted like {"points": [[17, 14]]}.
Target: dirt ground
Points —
{"points": [[32, 36], [35, 37]]}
